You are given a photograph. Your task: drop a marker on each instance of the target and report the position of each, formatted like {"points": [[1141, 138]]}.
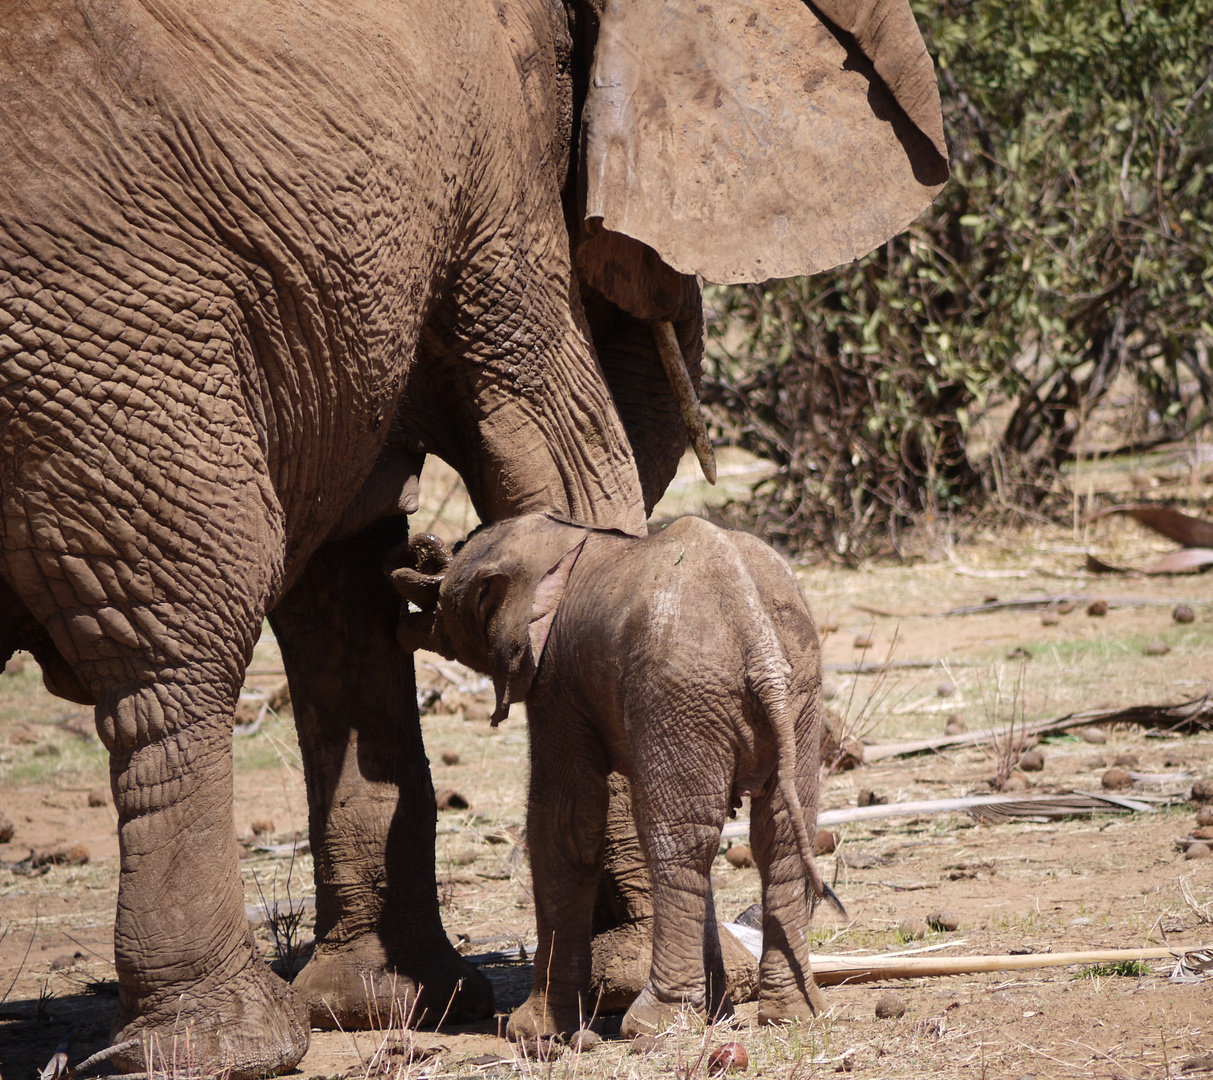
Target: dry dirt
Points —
{"points": [[1104, 882]]}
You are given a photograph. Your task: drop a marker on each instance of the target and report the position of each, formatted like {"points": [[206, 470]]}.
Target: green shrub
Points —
{"points": [[1073, 243]]}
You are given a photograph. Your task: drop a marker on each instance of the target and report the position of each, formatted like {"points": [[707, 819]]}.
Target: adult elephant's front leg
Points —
{"points": [[371, 813]]}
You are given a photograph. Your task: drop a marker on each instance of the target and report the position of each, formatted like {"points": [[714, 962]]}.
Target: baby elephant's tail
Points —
{"points": [[773, 693]]}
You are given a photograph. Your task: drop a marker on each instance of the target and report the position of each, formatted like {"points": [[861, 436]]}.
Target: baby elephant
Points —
{"points": [[686, 660]]}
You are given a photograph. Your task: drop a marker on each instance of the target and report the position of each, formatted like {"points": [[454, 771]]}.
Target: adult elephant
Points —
{"points": [[258, 257]]}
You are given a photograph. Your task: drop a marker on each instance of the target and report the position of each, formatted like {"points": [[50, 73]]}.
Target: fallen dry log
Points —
{"points": [[987, 808], [839, 970], [1186, 716]]}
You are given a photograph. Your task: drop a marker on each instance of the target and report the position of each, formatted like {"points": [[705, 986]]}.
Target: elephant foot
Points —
{"points": [[537, 1019], [623, 955], [787, 1008], [649, 1015], [357, 986], [249, 1025]]}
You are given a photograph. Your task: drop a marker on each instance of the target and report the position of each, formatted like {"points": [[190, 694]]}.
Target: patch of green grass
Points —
{"points": [[1126, 968]]}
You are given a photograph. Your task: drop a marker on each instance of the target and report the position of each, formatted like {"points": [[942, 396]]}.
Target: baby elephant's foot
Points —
{"points": [[649, 1014], [539, 1018], [791, 1007]]}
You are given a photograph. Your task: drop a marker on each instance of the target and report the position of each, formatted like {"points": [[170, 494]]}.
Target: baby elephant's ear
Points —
{"points": [[547, 599]]}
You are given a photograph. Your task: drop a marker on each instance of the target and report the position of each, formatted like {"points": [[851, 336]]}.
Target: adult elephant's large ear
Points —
{"points": [[748, 139]]}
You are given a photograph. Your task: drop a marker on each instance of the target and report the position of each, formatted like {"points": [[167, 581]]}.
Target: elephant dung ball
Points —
{"points": [[864, 641], [261, 827], [1199, 850], [1183, 614], [946, 919], [1157, 647], [728, 1057], [1032, 761], [1202, 791], [946, 688], [890, 1006], [913, 930], [97, 797], [1204, 816], [1096, 736], [6, 829], [870, 798], [450, 757], [955, 725], [643, 1044], [1097, 608], [1116, 780], [739, 856], [1049, 618], [584, 1040], [15, 665], [1014, 782], [825, 842], [449, 799], [1126, 761]]}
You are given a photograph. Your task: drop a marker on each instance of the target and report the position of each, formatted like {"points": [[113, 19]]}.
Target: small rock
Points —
{"points": [[913, 930], [1199, 850], [1050, 618], [825, 842], [262, 827], [584, 1040], [1032, 761], [740, 856], [955, 725], [1202, 791], [75, 855], [97, 797], [727, 1058], [946, 688], [1116, 780], [450, 757], [1203, 1063], [1183, 614], [890, 1006], [46, 750], [643, 1044], [1128, 761], [6, 829], [1097, 608], [449, 799], [944, 920], [1204, 816], [1157, 647], [864, 641], [1094, 735], [870, 798], [1082, 920]]}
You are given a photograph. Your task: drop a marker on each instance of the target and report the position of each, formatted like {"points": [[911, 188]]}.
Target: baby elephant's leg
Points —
{"points": [[680, 791], [787, 991], [566, 820]]}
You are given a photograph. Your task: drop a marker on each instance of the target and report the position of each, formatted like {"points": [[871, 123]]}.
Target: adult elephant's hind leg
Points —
{"points": [[371, 813]]}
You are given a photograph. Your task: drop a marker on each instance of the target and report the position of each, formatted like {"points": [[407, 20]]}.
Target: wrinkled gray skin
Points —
{"points": [[256, 259], [688, 661]]}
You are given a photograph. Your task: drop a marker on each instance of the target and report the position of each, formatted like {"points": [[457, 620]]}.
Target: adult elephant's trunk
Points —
{"points": [[684, 392]]}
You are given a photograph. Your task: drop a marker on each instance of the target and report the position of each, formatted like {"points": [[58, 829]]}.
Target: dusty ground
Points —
{"points": [[1049, 887]]}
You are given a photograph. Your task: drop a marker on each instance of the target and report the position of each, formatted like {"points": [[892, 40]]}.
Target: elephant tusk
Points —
{"points": [[684, 391]]}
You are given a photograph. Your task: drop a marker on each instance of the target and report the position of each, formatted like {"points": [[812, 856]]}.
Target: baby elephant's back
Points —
{"points": [[711, 586]]}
